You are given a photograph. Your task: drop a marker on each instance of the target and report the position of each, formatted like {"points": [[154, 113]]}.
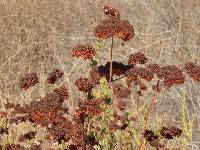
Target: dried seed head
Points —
{"points": [[54, 76], [193, 70], [84, 84], [154, 68], [86, 51], [90, 107], [29, 80], [44, 111], [171, 75], [150, 136], [170, 133], [60, 130], [137, 58], [114, 27], [110, 11], [78, 130], [137, 73]]}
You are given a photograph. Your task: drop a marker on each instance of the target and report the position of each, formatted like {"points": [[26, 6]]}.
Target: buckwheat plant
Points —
{"points": [[106, 117]]}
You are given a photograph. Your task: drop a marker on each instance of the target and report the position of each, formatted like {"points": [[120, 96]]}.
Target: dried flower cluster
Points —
{"points": [[153, 139], [29, 80], [84, 84], [90, 107], [170, 133], [193, 70], [44, 111], [136, 74], [78, 131], [154, 68], [171, 75], [110, 11], [60, 130], [54, 76], [83, 50], [137, 58], [114, 27]]}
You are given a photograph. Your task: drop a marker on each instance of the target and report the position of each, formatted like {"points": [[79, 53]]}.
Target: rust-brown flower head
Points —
{"points": [[90, 107], [171, 75], [54, 76], [84, 84], [114, 27], [83, 50], [154, 68], [29, 80], [170, 133], [137, 58], [44, 111], [138, 73], [110, 11], [193, 70]]}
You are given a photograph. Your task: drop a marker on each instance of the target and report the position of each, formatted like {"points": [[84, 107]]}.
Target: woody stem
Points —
{"points": [[111, 49]]}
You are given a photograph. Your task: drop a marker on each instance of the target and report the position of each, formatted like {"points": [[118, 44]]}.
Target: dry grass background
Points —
{"points": [[38, 35]]}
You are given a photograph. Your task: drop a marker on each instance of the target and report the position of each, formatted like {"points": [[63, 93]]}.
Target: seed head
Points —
{"points": [[171, 75], [54, 76], [137, 73], [90, 107], [150, 136], [193, 70], [114, 27], [170, 133], [110, 11], [86, 51], [84, 84], [29, 80], [154, 68], [137, 58]]}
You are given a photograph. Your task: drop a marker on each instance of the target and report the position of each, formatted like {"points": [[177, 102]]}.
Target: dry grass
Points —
{"points": [[38, 35]]}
